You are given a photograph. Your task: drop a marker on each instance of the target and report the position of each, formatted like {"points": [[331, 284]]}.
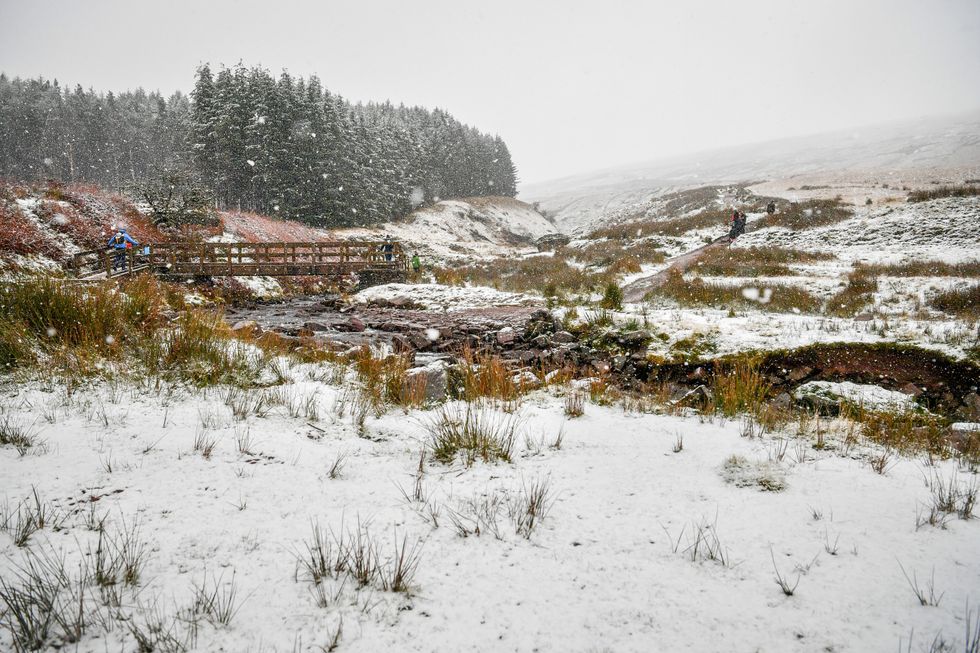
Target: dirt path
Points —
{"points": [[635, 291]]}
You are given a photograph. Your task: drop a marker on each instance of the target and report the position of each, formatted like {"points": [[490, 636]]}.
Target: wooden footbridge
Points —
{"points": [[214, 259]]}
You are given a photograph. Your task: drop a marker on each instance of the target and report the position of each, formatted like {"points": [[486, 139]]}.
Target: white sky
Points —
{"points": [[570, 85]]}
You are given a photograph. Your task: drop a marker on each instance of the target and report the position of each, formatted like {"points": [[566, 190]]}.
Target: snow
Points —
{"points": [[600, 572], [868, 396], [261, 287], [944, 230], [438, 297], [467, 229]]}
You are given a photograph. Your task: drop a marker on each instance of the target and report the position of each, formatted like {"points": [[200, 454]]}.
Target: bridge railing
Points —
{"points": [[326, 258]]}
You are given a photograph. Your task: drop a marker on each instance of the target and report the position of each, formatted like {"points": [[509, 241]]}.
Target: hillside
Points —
{"points": [[945, 150], [48, 224], [478, 227]]}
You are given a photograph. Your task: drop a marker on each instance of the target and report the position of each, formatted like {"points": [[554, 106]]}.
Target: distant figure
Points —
{"points": [[771, 208], [416, 263], [120, 242], [738, 226], [388, 248]]}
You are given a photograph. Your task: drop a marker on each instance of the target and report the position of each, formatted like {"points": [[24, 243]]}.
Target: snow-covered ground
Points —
{"points": [[746, 330], [435, 296], [944, 229], [610, 567], [467, 229]]}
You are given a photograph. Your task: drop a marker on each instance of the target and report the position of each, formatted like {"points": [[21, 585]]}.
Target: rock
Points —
{"points": [[634, 340], [782, 400], [435, 377], [247, 327], [541, 342], [526, 379], [964, 436], [315, 326], [563, 337], [506, 336], [863, 317], [528, 355], [911, 389], [823, 403], [970, 410], [400, 344], [400, 302], [304, 332], [697, 397], [419, 340], [799, 373]]}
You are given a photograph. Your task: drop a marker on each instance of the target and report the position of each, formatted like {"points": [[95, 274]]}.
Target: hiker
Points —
{"points": [[388, 248], [738, 226], [771, 207], [416, 263], [120, 242]]}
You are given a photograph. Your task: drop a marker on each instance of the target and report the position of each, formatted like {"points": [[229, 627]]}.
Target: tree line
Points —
{"points": [[284, 146]]}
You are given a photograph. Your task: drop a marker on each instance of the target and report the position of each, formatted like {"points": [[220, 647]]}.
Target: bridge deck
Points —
{"points": [[328, 258]]}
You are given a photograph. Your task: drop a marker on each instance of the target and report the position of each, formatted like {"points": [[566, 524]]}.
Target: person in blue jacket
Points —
{"points": [[120, 242]]}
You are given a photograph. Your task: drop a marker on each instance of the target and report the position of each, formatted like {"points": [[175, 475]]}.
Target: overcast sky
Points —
{"points": [[571, 86]]}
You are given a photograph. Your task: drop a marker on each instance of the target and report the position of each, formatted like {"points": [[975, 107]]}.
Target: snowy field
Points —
{"points": [[661, 532]]}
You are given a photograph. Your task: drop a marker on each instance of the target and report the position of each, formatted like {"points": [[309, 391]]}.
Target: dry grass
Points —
{"points": [[964, 303], [472, 432], [856, 295], [756, 261], [806, 215], [769, 297], [550, 275], [965, 190], [482, 375], [739, 387], [919, 269]]}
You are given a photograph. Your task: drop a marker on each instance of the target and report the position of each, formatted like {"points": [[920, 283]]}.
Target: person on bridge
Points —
{"points": [[120, 242], [771, 207], [388, 248], [416, 263]]}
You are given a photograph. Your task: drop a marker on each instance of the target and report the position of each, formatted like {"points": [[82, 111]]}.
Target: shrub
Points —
{"points": [[612, 297], [739, 386], [963, 303], [474, 432]]}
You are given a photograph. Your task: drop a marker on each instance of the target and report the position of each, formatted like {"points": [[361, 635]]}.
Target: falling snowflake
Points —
{"points": [[52, 332], [432, 334], [109, 340], [250, 162]]}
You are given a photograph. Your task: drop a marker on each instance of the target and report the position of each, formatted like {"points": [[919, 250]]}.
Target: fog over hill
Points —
{"points": [[948, 143]]}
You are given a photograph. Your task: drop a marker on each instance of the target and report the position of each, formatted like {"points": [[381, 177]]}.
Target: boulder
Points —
{"points": [[506, 336], [247, 327], [799, 373], [315, 326], [436, 378], [526, 379], [970, 408], [697, 397], [563, 337], [911, 389]]}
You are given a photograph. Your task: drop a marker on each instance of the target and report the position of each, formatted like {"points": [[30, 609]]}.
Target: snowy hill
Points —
{"points": [[948, 147], [476, 227]]}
